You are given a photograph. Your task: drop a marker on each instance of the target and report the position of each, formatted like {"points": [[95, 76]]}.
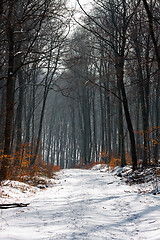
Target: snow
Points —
{"points": [[82, 204]]}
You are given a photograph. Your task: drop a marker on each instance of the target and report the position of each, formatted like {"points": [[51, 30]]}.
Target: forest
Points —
{"points": [[76, 90]]}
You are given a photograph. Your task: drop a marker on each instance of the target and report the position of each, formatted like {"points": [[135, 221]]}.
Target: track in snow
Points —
{"points": [[85, 204]]}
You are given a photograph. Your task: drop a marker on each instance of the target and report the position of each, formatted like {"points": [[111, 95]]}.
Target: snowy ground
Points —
{"points": [[83, 204]]}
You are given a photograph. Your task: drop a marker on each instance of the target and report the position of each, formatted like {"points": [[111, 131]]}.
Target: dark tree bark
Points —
{"points": [[119, 68], [9, 94]]}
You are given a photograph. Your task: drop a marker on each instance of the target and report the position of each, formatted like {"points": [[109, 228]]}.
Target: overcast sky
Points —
{"points": [[84, 3]]}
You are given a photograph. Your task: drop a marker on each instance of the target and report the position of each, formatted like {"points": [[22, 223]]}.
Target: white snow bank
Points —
{"points": [[16, 192]]}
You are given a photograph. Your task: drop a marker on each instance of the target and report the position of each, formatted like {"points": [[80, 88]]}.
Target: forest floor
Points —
{"points": [[81, 204]]}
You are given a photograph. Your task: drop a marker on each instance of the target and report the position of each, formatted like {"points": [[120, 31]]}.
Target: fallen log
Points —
{"points": [[13, 205]]}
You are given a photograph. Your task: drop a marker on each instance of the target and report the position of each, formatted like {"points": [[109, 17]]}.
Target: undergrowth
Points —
{"points": [[20, 167]]}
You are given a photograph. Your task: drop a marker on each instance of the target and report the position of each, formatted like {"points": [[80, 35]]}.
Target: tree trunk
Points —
{"points": [[9, 99], [119, 69], [121, 133]]}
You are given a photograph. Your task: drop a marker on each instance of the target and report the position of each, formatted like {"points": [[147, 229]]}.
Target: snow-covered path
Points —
{"points": [[84, 204]]}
